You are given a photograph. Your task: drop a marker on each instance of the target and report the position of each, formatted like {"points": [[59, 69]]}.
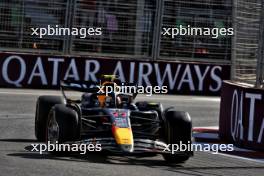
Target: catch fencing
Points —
{"points": [[248, 47], [131, 29]]}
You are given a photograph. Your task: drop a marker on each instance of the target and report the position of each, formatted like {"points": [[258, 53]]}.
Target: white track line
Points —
{"points": [[207, 127], [240, 157], [206, 99], [215, 135], [16, 114], [28, 93], [232, 155], [155, 97], [206, 135]]}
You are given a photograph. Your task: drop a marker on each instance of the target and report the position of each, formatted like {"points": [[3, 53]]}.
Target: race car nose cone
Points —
{"points": [[124, 138], [127, 148]]}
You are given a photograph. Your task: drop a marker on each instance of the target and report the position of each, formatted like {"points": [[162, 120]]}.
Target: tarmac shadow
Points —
{"points": [[96, 157]]}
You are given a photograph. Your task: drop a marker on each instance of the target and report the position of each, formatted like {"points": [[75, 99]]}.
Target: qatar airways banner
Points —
{"points": [[242, 115], [40, 71]]}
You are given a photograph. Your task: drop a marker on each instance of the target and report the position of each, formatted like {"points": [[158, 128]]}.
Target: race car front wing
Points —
{"points": [[140, 145]]}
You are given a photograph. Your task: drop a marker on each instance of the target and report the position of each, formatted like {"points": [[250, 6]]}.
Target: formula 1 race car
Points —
{"points": [[114, 120]]}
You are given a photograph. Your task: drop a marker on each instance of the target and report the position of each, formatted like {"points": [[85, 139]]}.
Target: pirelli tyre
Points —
{"points": [[178, 131], [43, 107]]}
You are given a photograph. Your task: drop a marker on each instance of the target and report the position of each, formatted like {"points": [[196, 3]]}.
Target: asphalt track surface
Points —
{"points": [[17, 108]]}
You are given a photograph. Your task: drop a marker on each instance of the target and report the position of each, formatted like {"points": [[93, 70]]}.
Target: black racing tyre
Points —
{"points": [[178, 129], [43, 106], [66, 120]]}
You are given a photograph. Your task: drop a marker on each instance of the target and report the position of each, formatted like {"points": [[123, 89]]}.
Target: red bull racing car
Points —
{"points": [[115, 120]]}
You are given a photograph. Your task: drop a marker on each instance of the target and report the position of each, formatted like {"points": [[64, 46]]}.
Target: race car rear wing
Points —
{"points": [[81, 86]]}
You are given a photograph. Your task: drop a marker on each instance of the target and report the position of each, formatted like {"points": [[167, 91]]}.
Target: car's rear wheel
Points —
{"points": [[43, 106], [178, 131]]}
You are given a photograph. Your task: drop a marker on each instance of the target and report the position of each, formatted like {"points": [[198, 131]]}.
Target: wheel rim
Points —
{"points": [[53, 129]]}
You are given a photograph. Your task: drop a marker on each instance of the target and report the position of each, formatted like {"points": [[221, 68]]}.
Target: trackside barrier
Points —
{"points": [[43, 71], [242, 115]]}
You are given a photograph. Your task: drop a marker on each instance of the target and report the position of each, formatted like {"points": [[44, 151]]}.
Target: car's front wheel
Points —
{"points": [[43, 107], [178, 131], [63, 125]]}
